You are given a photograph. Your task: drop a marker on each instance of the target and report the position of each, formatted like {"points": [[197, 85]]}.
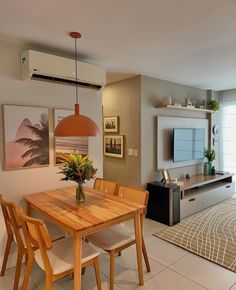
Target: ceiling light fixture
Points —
{"points": [[76, 125]]}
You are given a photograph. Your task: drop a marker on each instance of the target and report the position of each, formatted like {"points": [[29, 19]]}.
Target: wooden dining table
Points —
{"points": [[99, 211]]}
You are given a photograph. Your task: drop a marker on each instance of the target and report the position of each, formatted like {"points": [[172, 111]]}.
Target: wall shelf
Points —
{"points": [[171, 107]]}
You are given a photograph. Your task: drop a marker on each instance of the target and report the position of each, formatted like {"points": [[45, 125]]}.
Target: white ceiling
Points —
{"points": [[185, 41]]}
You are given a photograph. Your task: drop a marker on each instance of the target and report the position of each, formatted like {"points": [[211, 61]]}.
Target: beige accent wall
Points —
{"points": [[123, 99], [15, 183]]}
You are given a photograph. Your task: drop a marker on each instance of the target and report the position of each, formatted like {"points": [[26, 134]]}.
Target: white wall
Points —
{"points": [[15, 183]]}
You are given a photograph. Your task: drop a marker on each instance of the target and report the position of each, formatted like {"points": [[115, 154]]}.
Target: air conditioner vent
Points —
{"points": [[64, 81]]}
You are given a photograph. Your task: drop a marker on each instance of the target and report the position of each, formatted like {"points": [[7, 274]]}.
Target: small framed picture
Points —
{"points": [[166, 176], [114, 146], [111, 124]]}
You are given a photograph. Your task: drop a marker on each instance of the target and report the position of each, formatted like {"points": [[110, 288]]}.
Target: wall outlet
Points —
{"points": [[135, 153], [131, 152]]}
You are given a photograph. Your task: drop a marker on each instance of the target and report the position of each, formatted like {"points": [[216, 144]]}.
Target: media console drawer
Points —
{"points": [[190, 205], [193, 203]]}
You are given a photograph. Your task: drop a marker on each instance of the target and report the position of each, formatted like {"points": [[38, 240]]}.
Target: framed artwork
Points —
{"points": [[166, 176], [114, 146], [26, 137], [68, 144], [111, 124]]}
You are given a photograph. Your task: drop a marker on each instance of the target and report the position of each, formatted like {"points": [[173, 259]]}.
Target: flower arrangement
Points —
{"points": [[210, 154], [76, 167]]}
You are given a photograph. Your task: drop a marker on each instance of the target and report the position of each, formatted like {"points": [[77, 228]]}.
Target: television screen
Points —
{"points": [[188, 144]]}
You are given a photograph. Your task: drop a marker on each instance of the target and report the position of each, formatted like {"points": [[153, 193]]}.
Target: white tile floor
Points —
{"points": [[172, 269]]}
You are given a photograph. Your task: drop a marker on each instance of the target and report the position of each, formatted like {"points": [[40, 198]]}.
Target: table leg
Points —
{"points": [[28, 209], [77, 261], [138, 238]]}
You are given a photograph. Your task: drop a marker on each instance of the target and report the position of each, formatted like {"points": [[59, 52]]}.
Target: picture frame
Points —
{"points": [[67, 144], [166, 176], [111, 124], [114, 146], [26, 137]]}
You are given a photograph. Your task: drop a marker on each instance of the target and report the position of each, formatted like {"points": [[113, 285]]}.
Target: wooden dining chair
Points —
{"points": [[14, 233], [118, 237], [105, 186], [56, 258]]}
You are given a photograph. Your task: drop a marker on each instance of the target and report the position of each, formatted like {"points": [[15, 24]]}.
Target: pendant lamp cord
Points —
{"points": [[76, 73]]}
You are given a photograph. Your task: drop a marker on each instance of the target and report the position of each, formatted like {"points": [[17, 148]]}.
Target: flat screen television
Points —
{"points": [[188, 144]]}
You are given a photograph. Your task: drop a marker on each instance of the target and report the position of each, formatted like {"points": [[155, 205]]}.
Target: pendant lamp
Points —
{"points": [[76, 125]]}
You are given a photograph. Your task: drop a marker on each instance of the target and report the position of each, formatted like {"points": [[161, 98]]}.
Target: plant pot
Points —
{"points": [[209, 167], [80, 193]]}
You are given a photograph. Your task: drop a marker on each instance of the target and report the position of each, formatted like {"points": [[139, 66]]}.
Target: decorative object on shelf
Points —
{"points": [[188, 175], [215, 141], [26, 137], [114, 146], [111, 124], [189, 103], [215, 130], [67, 144], [77, 168], [210, 154], [206, 168], [76, 125], [213, 105], [166, 176], [167, 101]]}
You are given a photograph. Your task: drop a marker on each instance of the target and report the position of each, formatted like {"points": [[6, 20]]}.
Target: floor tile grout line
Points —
{"points": [[232, 286], [178, 260], [188, 278], [34, 283]]}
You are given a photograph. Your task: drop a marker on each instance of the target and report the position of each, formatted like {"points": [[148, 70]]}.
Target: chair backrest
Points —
{"points": [[36, 236], [12, 220], [135, 194], [105, 186]]}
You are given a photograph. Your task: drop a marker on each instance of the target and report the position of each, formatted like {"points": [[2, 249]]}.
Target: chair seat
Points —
{"points": [[61, 255], [112, 238]]}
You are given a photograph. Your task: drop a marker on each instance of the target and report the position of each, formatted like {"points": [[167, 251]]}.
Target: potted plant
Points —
{"points": [[77, 168], [210, 154], [213, 105]]}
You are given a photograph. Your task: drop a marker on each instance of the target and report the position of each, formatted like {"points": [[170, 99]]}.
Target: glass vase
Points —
{"points": [[80, 193], [209, 167]]}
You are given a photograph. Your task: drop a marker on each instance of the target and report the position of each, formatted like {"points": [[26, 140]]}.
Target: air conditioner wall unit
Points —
{"points": [[42, 66]]}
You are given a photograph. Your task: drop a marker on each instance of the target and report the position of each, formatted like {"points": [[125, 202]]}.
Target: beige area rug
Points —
{"points": [[210, 233]]}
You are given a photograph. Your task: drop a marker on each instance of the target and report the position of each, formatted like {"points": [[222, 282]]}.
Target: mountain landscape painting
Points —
{"points": [[26, 137]]}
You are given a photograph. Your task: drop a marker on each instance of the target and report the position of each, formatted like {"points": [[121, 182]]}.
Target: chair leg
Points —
{"points": [[97, 273], [145, 256], [48, 283], [6, 254], [27, 272], [18, 268], [112, 269]]}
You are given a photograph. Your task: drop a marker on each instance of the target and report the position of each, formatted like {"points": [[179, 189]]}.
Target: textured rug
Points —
{"points": [[210, 233]]}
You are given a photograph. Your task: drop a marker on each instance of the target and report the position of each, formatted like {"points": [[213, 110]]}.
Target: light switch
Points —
{"points": [[131, 152], [135, 153]]}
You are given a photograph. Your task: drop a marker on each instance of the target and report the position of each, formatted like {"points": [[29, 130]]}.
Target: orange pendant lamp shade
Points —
{"points": [[76, 125]]}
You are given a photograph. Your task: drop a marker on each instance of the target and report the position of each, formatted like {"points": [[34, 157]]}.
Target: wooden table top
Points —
{"points": [[98, 208]]}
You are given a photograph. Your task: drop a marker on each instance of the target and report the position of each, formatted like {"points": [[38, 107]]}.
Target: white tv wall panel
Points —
{"points": [[165, 126]]}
